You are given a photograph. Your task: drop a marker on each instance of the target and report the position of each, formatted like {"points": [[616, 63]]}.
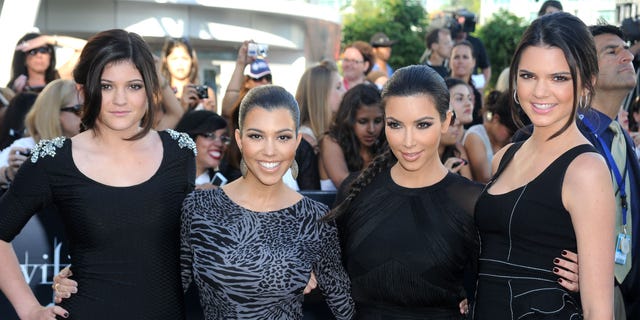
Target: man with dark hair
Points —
{"points": [[439, 44], [615, 79]]}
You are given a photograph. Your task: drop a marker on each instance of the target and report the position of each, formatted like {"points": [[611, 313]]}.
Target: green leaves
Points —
{"points": [[401, 20], [500, 36]]}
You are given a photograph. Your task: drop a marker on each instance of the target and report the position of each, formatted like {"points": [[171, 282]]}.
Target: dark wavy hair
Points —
{"points": [[113, 46], [498, 103], [341, 130], [415, 80], [19, 62], [568, 33]]}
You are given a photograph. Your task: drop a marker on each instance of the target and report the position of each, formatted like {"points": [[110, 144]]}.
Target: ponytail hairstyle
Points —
{"points": [[415, 80]]}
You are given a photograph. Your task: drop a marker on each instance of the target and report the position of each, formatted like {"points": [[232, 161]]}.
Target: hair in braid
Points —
{"points": [[383, 161], [408, 81]]}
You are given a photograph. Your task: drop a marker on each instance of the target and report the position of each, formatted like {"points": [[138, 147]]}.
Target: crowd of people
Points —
{"points": [[452, 201]]}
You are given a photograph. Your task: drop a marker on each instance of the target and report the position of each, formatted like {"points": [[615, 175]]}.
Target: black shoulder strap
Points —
{"points": [[506, 158]]}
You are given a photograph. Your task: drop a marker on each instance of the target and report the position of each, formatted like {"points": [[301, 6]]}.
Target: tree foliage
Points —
{"points": [[500, 36], [401, 20]]}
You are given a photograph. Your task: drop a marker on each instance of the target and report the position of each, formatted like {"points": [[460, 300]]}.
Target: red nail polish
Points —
{"points": [[564, 252], [556, 260], [556, 270], [559, 280]]}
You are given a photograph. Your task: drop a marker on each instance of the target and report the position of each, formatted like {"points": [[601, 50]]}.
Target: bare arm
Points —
{"points": [[236, 82], [170, 112], [332, 161], [77, 44], [587, 195], [480, 166], [15, 288]]}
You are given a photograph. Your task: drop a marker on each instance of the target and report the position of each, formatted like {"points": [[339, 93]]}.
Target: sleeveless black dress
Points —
{"points": [[521, 233], [406, 249], [124, 241]]}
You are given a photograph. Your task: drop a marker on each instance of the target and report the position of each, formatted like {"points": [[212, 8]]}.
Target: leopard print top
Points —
{"points": [[255, 265]]}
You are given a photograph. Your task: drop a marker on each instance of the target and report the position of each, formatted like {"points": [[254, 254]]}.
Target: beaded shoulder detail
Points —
{"points": [[46, 148], [183, 140]]}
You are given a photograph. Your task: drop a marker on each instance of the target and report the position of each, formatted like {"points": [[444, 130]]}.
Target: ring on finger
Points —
{"points": [[55, 287]]}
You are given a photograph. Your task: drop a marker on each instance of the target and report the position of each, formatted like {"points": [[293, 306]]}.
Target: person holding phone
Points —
{"points": [[210, 133]]}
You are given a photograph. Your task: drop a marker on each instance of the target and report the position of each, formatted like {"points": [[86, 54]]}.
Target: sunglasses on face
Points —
{"points": [[73, 109], [211, 136], [42, 50], [265, 77]]}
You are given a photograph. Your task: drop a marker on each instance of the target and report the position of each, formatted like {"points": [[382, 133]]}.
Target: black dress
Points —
{"points": [[406, 249], [521, 232], [124, 241]]}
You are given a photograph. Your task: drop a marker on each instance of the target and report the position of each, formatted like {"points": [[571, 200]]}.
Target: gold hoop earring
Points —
{"points": [[294, 169], [243, 168]]}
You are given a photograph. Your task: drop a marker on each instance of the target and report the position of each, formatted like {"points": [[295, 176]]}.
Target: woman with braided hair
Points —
{"points": [[406, 223], [415, 213]]}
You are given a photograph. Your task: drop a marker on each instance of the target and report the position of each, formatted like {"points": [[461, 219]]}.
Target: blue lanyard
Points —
{"points": [[614, 168]]}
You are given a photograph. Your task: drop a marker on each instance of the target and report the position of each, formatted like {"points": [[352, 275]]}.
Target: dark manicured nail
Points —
{"points": [[560, 281], [556, 260], [66, 314], [564, 252], [556, 270]]}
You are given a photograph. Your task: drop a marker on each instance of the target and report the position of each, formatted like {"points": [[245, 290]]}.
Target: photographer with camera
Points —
{"points": [[180, 70], [463, 24], [241, 80]]}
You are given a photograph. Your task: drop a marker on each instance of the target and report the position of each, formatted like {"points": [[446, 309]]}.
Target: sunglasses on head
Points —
{"points": [[73, 109], [267, 77], [43, 50]]}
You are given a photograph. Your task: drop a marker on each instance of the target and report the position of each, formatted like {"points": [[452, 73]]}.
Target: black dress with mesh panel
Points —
{"points": [[406, 249], [123, 241]]}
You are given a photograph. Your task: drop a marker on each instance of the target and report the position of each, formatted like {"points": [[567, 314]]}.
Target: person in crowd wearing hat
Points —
{"points": [[382, 52], [209, 131], [248, 73]]}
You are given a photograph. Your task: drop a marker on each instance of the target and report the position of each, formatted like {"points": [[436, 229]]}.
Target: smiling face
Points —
{"points": [[545, 86], [462, 103], [179, 63], [413, 130], [353, 64], [268, 143], [124, 99], [211, 148], [368, 125]]}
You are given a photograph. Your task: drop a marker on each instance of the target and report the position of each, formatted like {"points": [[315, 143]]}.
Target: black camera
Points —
{"points": [[203, 91], [463, 21], [631, 29]]}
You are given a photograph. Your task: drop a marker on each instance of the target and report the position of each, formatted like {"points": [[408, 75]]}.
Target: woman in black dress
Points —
{"points": [[118, 186], [407, 222], [551, 192]]}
